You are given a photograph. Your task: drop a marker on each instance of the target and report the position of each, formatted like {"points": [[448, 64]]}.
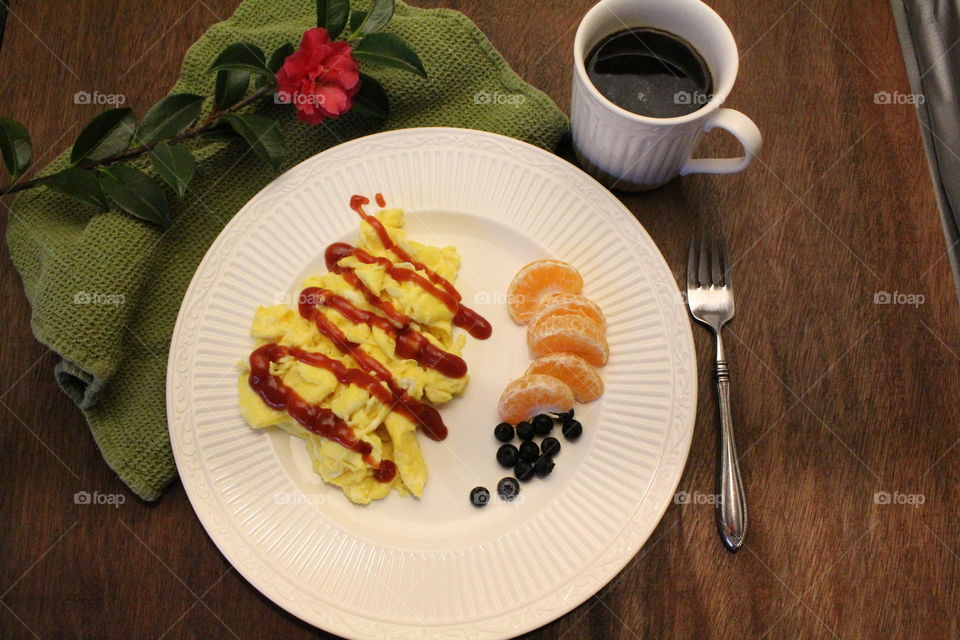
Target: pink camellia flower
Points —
{"points": [[320, 78]]}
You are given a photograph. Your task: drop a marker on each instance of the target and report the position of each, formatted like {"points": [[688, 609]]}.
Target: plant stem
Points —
{"points": [[133, 152], [20, 186]]}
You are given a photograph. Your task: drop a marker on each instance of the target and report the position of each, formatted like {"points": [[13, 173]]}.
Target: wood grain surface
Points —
{"points": [[835, 398]]}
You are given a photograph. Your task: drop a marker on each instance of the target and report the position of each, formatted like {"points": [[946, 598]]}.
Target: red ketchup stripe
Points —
{"points": [[438, 286], [357, 203], [312, 417], [410, 343], [334, 254], [422, 415]]}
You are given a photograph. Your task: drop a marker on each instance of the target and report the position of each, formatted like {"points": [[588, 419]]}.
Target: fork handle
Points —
{"points": [[731, 506]]}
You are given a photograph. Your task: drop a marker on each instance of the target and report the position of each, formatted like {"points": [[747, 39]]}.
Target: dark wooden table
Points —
{"points": [[836, 398]]}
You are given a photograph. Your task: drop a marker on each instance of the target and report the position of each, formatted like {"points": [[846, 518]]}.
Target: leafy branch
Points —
{"points": [[96, 176], [203, 127]]}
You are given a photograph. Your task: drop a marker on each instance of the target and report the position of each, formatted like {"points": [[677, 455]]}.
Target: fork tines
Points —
{"points": [[710, 265]]}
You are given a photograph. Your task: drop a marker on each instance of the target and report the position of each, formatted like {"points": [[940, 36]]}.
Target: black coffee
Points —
{"points": [[650, 72]]}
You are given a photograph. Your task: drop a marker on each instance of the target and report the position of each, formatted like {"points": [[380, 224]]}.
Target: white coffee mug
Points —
{"points": [[627, 151]]}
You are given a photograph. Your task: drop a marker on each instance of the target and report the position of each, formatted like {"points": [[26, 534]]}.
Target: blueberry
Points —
{"points": [[523, 471], [508, 488], [529, 450], [503, 432], [507, 455], [544, 466], [525, 430], [572, 429], [542, 424], [479, 497], [565, 417], [550, 446]]}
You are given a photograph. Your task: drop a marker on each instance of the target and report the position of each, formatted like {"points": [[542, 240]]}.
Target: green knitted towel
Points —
{"points": [[105, 289]]}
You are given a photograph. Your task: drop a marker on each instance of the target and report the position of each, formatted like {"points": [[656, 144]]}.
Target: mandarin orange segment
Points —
{"points": [[532, 394], [569, 304], [538, 280], [573, 371], [570, 334]]}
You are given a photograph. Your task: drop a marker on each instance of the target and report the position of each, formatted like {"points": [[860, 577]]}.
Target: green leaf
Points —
{"points": [[388, 50], [262, 134], [78, 184], [231, 86], [105, 135], [169, 117], [281, 53], [174, 164], [135, 193], [372, 100], [219, 133], [332, 15], [15, 147], [241, 56], [378, 17], [274, 62], [356, 19]]}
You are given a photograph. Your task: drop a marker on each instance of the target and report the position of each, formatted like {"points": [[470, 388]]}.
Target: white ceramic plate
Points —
{"points": [[438, 567]]}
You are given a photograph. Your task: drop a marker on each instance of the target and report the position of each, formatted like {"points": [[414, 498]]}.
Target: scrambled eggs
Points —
{"points": [[390, 434]]}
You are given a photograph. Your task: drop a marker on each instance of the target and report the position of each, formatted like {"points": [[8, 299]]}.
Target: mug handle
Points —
{"points": [[743, 129]]}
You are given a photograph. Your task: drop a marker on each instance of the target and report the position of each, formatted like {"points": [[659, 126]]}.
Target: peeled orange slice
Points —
{"points": [[569, 304], [538, 280], [570, 334], [573, 371], [527, 396]]}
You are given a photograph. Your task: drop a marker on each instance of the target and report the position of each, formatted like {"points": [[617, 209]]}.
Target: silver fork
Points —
{"points": [[710, 298]]}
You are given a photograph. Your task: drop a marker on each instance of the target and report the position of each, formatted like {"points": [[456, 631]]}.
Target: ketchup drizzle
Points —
{"points": [[465, 318], [424, 416], [410, 343], [312, 417], [339, 250], [357, 203]]}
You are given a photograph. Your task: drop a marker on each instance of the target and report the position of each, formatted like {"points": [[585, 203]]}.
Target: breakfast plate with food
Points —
{"points": [[431, 383]]}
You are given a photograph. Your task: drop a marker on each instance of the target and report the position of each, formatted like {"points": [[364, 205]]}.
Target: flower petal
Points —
{"points": [[333, 100], [313, 38]]}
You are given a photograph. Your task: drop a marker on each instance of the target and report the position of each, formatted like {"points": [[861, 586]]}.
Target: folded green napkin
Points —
{"points": [[105, 289]]}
